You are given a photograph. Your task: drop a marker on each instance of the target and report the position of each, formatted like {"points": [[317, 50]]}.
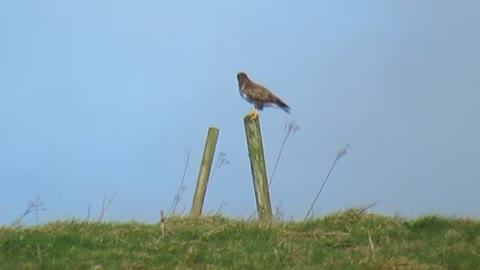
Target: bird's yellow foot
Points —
{"points": [[253, 114]]}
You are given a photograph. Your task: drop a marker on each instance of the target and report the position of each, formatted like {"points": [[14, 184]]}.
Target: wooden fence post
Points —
{"points": [[204, 172], [257, 164]]}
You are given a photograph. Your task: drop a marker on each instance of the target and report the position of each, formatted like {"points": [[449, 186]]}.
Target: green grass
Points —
{"points": [[345, 240]]}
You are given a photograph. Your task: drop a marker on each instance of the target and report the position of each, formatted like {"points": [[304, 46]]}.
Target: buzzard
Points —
{"points": [[258, 95]]}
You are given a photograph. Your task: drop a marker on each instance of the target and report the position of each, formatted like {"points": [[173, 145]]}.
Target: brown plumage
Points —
{"points": [[258, 95]]}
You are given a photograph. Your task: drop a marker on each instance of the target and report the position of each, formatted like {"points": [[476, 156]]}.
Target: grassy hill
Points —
{"points": [[345, 240]]}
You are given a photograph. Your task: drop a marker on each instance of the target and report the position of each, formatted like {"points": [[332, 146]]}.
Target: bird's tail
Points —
{"points": [[283, 106]]}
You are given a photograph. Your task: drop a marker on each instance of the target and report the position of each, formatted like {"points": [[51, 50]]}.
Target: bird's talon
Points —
{"points": [[253, 115]]}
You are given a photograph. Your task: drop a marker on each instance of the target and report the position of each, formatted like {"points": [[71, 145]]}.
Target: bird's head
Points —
{"points": [[241, 77]]}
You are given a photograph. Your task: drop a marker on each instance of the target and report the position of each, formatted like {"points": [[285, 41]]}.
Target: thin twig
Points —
{"points": [[221, 161], [162, 223], [365, 208], [289, 128], [88, 213], [340, 154], [220, 208], [33, 206], [106, 202], [279, 213], [181, 188]]}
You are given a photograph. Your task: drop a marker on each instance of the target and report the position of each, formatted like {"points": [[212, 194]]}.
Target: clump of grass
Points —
{"points": [[430, 223], [350, 239]]}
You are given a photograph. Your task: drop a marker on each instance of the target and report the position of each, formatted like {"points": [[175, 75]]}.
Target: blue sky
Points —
{"points": [[106, 97]]}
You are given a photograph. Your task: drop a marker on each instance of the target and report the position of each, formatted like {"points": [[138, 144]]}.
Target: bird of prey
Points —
{"points": [[258, 95]]}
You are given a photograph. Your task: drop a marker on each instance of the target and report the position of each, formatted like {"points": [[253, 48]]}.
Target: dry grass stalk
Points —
{"points": [[162, 223]]}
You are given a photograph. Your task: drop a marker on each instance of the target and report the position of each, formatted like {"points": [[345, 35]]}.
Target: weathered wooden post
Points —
{"points": [[257, 164], [204, 172]]}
